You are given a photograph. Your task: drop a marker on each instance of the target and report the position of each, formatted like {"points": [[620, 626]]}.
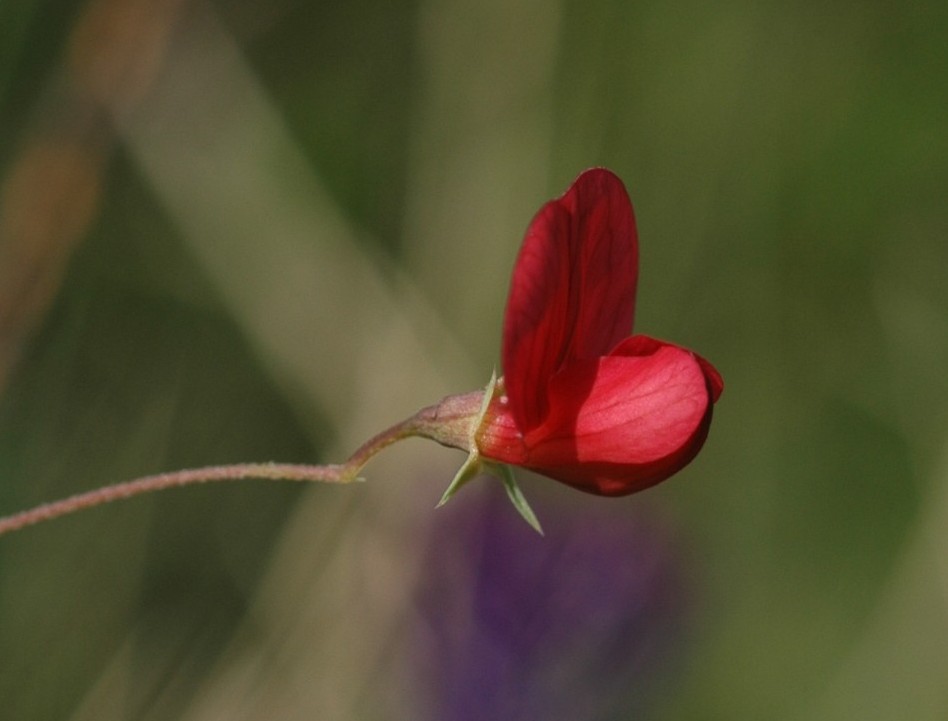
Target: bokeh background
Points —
{"points": [[235, 231]]}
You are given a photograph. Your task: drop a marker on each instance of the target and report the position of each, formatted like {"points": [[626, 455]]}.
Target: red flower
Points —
{"points": [[580, 401]]}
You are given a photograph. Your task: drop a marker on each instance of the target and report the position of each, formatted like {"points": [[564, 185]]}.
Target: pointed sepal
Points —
{"points": [[471, 468], [515, 495], [473, 465]]}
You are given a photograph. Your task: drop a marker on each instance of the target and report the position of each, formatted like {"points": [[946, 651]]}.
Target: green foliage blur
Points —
{"points": [[248, 231]]}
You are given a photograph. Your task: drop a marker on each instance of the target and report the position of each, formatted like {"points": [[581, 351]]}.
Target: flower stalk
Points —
{"points": [[162, 481], [330, 473]]}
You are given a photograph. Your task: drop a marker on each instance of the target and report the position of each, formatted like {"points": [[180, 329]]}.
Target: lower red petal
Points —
{"points": [[626, 421]]}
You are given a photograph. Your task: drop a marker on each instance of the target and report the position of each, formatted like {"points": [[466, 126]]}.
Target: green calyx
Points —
{"points": [[474, 465]]}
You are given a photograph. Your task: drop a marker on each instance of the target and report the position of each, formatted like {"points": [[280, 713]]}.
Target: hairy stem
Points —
{"points": [[349, 471], [451, 423], [161, 481], [344, 473]]}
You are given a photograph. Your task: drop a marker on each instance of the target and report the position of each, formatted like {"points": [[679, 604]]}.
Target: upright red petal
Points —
{"points": [[604, 262], [572, 295]]}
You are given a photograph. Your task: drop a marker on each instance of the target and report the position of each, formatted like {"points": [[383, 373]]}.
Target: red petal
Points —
{"points": [[572, 296], [624, 422], [639, 345]]}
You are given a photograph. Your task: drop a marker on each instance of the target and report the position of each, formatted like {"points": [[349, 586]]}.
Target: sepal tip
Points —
{"points": [[516, 496]]}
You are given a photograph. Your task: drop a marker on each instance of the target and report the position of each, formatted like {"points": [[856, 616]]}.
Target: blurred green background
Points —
{"points": [[241, 231]]}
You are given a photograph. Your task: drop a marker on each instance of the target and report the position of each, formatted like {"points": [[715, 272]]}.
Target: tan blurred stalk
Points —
{"points": [[50, 196], [482, 147], [47, 201], [339, 332]]}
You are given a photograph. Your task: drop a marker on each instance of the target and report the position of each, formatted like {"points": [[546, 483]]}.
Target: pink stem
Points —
{"points": [[344, 473], [161, 481]]}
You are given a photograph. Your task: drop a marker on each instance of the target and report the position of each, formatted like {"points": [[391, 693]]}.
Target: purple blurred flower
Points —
{"points": [[571, 626]]}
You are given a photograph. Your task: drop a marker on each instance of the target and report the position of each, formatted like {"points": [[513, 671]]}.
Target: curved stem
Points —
{"points": [[161, 481], [334, 473], [349, 471]]}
